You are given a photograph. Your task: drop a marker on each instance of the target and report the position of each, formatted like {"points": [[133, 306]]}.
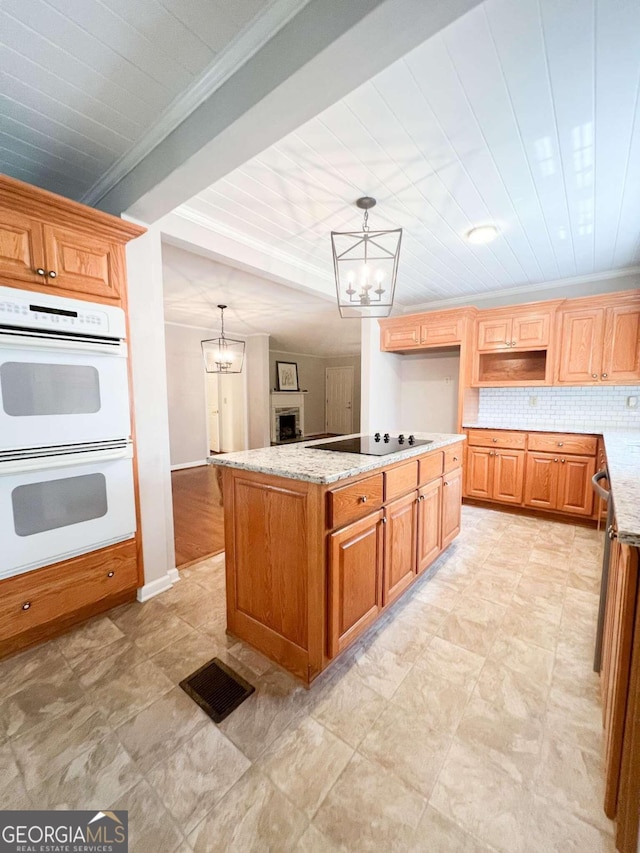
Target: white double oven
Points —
{"points": [[66, 457]]}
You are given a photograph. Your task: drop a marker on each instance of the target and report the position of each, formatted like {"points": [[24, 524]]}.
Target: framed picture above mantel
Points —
{"points": [[287, 376]]}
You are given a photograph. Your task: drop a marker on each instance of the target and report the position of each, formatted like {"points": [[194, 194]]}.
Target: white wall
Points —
{"points": [[147, 344], [429, 392], [258, 408], [186, 391], [381, 377]]}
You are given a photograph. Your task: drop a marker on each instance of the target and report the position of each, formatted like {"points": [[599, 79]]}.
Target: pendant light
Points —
{"points": [[223, 355], [365, 264]]}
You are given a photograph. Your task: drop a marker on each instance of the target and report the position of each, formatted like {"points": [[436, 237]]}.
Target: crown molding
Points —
{"points": [[532, 289], [225, 64], [191, 215]]}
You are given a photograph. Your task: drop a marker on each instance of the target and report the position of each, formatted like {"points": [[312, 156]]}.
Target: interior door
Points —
{"points": [[339, 400]]}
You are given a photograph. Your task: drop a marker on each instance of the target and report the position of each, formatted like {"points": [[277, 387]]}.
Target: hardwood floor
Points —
{"points": [[198, 518]]}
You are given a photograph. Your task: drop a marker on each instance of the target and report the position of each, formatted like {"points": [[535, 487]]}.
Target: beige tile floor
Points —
{"points": [[468, 721]]}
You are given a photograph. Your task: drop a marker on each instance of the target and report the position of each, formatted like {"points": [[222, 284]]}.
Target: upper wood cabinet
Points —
{"points": [[599, 343], [48, 243], [501, 329], [425, 331]]}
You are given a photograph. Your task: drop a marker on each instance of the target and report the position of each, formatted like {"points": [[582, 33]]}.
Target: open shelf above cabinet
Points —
{"points": [[512, 368]]}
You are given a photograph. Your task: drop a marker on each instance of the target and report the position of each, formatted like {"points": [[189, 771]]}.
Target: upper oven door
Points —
{"points": [[57, 392]]}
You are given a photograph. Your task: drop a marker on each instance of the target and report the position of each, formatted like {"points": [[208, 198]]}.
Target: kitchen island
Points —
{"points": [[318, 543]]}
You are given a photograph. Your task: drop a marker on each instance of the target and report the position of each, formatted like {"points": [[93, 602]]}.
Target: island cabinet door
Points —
{"points": [[356, 555], [399, 546], [429, 515], [541, 480], [451, 506]]}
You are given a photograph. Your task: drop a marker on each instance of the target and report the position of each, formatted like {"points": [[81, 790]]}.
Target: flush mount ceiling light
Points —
{"points": [[482, 234], [365, 265], [223, 355]]}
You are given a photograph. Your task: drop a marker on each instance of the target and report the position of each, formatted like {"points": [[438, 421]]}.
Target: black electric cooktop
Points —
{"points": [[372, 445]]}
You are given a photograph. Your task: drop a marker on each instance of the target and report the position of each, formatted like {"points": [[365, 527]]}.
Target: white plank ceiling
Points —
{"points": [[295, 321], [523, 114], [84, 80]]}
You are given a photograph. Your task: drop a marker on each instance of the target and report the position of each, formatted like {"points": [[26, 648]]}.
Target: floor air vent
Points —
{"points": [[217, 689]]}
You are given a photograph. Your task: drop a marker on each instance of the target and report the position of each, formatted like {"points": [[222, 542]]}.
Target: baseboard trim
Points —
{"points": [[184, 465], [155, 587]]}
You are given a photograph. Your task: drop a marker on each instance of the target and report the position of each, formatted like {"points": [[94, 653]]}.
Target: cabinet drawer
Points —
{"points": [[431, 467], [353, 501], [452, 458], [560, 443], [497, 438], [63, 588], [398, 481]]}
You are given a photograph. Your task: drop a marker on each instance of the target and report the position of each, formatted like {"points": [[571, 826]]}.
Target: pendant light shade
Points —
{"points": [[223, 355], [365, 264]]}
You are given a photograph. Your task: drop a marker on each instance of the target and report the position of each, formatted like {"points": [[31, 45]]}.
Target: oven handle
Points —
{"points": [[595, 480], [65, 460], [118, 348]]}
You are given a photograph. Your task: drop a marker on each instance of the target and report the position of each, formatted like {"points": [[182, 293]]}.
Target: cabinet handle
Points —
{"points": [[26, 605], [611, 533], [604, 375], [594, 375], [52, 274], [363, 499], [110, 574], [40, 271]]}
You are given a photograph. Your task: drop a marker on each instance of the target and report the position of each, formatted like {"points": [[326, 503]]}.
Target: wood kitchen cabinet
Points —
{"points": [[599, 343], [48, 243], [425, 331], [559, 482], [329, 561], [500, 329], [495, 474], [355, 580]]}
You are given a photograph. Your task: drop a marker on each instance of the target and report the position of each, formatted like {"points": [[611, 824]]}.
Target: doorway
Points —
{"points": [[339, 400], [213, 412]]}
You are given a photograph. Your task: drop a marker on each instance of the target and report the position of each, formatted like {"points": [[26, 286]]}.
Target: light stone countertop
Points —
{"points": [[546, 426], [623, 461], [300, 462]]}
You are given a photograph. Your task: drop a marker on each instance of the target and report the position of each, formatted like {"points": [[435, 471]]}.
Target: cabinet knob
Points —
{"points": [[455, 458], [26, 605], [594, 375], [563, 461], [513, 343], [110, 574], [556, 459], [604, 375], [494, 439], [52, 273], [611, 533], [561, 444], [446, 483], [40, 271], [384, 519], [420, 497], [363, 499]]}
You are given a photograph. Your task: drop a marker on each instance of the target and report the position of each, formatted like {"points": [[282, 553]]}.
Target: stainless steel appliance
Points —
{"points": [[605, 494], [372, 445], [66, 470]]}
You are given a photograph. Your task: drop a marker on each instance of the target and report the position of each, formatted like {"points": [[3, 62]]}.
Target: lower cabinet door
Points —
{"points": [[508, 476], [429, 533], [575, 492], [479, 473], [355, 580], [541, 480], [451, 506], [399, 546]]}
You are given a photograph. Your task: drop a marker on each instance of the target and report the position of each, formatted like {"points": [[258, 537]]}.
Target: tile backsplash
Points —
{"points": [[589, 407]]}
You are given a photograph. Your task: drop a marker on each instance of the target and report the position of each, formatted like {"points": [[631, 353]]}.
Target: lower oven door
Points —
{"points": [[59, 507]]}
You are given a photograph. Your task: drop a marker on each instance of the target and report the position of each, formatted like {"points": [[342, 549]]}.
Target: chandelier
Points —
{"points": [[365, 264], [223, 355]]}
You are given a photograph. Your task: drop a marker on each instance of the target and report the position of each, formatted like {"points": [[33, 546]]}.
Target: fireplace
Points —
{"points": [[287, 416]]}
